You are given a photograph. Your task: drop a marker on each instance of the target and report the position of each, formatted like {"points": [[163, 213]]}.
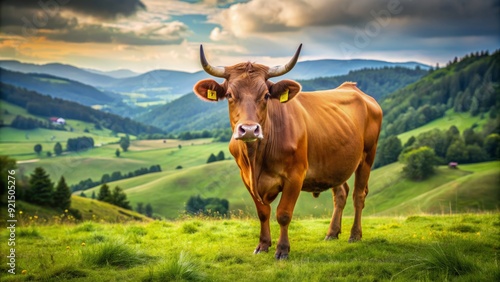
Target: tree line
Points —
{"points": [[438, 147], [196, 205], [118, 197], [43, 105], [37, 188], [117, 175]]}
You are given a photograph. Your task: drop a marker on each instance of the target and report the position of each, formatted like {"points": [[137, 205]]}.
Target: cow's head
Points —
{"points": [[248, 91]]}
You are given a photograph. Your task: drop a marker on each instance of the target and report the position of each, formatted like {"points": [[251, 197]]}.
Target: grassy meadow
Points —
{"points": [[416, 248]]}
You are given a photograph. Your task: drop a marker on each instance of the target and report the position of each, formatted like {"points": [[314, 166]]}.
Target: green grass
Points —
{"points": [[417, 248], [461, 120]]}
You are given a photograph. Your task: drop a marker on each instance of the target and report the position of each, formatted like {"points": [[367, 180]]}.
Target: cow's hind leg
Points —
{"points": [[360, 192], [339, 199]]}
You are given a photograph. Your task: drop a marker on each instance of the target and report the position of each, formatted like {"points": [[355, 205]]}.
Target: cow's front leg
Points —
{"points": [[264, 213], [290, 194]]}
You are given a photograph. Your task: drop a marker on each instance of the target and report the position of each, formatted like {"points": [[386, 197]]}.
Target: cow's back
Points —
{"points": [[342, 124]]}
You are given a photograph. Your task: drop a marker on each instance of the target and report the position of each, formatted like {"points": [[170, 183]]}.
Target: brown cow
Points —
{"points": [[286, 142]]}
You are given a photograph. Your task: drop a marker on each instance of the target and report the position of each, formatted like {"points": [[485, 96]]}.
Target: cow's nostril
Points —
{"points": [[257, 131], [241, 130]]}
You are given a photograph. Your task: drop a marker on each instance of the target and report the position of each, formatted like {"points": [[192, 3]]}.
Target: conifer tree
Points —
{"points": [[104, 193], [58, 149], [41, 188], [62, 195], [119, 198], [149, 210]]}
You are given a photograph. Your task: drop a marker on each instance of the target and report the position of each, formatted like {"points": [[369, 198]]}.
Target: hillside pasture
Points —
{"points": [[390, 194], [461, 120], [416, 248]]}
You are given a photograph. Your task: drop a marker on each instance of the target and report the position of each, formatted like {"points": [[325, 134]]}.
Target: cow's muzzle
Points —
{"points": [[248, 132]]}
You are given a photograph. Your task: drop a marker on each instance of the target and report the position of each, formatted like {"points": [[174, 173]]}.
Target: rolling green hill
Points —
{"points": [[91, 210], [389, 191], [58, 87]]}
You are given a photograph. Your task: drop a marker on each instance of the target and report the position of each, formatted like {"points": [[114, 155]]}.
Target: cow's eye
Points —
{"points": [[267, 96], [229, 95]]}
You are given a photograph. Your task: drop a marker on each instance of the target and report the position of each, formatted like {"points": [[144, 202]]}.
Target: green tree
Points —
{"points": [[119, 198], [7, 168], [476, 154], [62, 195], [104, 194], [82, 194], [125, 143], [117, 153], [41, 188], [492, 145], [457, 152], [388, 151], [212, 158], [37, 149], [58, 149], [93, 195], [140, 208], [149, 210], [220, 156], [419, 163]]}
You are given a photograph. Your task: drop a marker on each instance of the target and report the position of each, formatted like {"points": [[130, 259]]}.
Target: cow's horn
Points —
{"points": [[215, 71], [282, 69]]}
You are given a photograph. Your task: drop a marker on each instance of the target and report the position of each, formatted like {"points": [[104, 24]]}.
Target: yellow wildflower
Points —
{"points": [[24, 272], [83, 244]]}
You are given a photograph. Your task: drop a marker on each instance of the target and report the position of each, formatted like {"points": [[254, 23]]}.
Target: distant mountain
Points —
{"points": [[121, 73], [58, 87], [169, 82], [158, 83], [60, 70], [328, 68]]}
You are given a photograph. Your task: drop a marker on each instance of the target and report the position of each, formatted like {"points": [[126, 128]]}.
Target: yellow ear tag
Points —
{"points": [[212, 94], [284, 96]]}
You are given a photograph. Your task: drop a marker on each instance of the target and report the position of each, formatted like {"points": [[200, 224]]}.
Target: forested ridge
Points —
{"points": [[376, 82], [46, 106], [469, 84]]}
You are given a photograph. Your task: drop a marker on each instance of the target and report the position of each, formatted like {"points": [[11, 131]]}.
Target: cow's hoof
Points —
{"points": [[328, 237], [281, 256], [354, 239], [260, 248]]}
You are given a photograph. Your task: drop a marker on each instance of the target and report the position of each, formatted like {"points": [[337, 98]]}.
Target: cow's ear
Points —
{"points": [[285, 90], [209, 90]]}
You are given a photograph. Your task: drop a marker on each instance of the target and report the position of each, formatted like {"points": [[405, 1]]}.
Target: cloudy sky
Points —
{"points": [[143, 35]]}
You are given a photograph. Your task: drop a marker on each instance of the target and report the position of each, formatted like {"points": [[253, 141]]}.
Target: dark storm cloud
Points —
{"points": [[106, 9], [45, 18], [101, 34]]}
